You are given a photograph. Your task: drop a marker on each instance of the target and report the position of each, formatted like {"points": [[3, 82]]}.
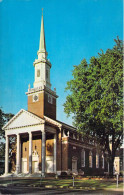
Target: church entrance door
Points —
{"points": [[34, 166], [49, 164], [24, 165], [35, 162]]}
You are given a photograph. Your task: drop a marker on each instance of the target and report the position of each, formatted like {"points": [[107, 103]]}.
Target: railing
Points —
{"points": [[35, 89]]}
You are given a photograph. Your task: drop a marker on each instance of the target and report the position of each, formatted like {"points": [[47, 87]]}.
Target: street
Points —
{"points": [[42, 191]]}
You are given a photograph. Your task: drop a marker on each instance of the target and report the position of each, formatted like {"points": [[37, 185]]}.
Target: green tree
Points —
{"points": [[4, 118], [95, 99]]}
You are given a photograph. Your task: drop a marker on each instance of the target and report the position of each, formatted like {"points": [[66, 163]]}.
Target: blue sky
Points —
{"points": [[74, 29]]}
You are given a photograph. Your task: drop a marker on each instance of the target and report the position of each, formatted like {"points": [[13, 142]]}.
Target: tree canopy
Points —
{"points": [[4, 118], [95, 97]]}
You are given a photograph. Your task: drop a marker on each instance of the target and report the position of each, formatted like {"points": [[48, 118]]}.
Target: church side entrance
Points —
{"points": [[49, 153], [74, 165]]}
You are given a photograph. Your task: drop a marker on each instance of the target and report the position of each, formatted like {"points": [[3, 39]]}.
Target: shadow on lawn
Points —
{"points": [[98, 184]]}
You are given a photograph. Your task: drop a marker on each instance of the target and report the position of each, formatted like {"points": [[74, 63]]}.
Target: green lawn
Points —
{"points": [[88, 183]]}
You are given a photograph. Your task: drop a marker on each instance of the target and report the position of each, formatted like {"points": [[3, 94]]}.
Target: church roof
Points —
{"points": [[67, 126]]}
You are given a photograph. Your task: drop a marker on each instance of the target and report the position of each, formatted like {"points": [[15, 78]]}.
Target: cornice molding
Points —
{"points": [[32, 125], [51, 121], [37, 61], [50, 91]]}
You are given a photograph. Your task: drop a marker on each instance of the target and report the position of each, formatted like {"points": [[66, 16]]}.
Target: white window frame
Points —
{"points": [[82, 158], [74, 136], [78, 137], [97, 160], [50, 99], [38, 73], [103, 162], [91, 163]]}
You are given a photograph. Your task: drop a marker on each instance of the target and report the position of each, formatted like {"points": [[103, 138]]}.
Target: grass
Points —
{"points": [[88, 183]]}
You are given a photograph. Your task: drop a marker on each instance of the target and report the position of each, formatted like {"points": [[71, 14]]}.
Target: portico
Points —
{"points": [[32, 144]]}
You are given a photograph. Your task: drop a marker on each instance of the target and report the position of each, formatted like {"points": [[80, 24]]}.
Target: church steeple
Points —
{"points": [[41, 98], [42, 44], [42, 64], [42, 53]]}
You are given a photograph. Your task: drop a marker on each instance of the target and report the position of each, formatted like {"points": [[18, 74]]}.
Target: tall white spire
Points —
{"points": [[42, 65], [42, 53], [42, 44]]}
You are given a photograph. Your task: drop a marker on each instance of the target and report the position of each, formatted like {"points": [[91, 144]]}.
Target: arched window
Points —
{"points": [[38, 73], [97, 160], [90, 159], [103, 161], [83, 158]]}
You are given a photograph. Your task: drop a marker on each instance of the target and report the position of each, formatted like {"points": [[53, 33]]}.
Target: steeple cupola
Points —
{"points": [[42, 64]]}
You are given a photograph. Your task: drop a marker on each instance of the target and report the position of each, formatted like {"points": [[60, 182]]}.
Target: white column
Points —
{"points": [[55, 152], [18, 154], [30, 152], [43, 153], [20, 149], [7, 155]]}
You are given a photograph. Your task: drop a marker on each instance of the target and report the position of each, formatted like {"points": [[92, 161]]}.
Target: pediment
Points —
{"points": [[23, 118]]}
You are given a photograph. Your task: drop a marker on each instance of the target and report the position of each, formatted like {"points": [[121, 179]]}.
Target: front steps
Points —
{"points": [[24, 175]]}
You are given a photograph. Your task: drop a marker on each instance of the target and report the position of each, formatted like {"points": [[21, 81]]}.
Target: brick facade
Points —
{"points": [[49, 108], [67, 149], [36, 107], [42, 106]]}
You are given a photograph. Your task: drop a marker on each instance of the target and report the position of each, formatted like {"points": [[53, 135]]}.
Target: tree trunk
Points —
{"points": [[111, 166]]}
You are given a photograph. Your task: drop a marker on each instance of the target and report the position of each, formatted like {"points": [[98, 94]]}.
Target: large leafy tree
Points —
{"points": [[4, 118], [95, 99]]}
